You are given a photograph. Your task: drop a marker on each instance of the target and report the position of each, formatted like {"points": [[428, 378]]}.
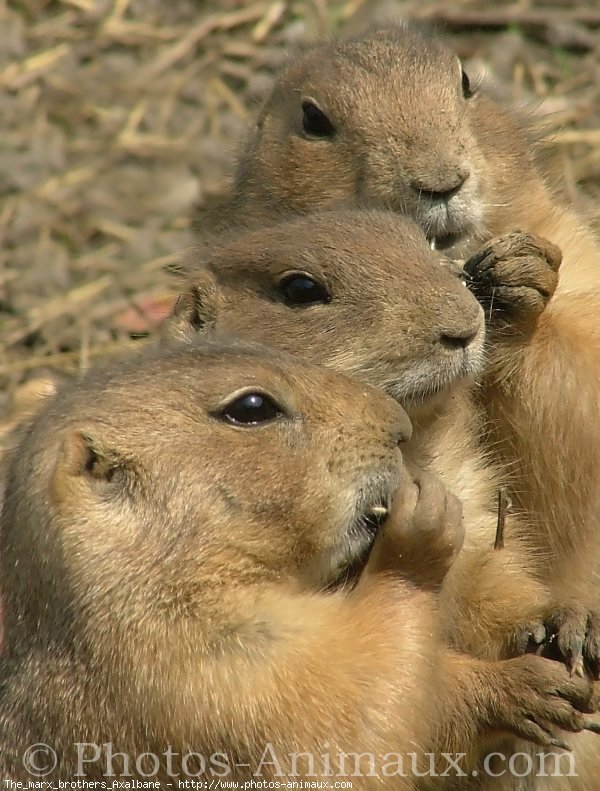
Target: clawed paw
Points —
{"points": [[514, 277], [425, 521], [573, 635], [544, 696]]}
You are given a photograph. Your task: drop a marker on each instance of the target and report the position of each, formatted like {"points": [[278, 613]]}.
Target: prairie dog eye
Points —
{"points": [[466, 85], [250, 409], [300, 288], [315, 122]]}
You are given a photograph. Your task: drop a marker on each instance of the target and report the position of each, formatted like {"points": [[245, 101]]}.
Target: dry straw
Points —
{"points": [[119, 116]]}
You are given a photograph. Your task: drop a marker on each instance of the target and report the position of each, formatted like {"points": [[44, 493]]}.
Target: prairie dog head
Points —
{"points": [[387, 120], [146, 506], [358, 291]]}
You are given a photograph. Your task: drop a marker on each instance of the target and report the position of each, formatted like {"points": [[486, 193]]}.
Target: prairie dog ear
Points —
{"points": [[82, 459], [195, 308]]}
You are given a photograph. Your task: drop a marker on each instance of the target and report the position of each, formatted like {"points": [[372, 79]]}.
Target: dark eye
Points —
{"points": [[314, 121], [302, 289], [251, 409], [466, 85]]}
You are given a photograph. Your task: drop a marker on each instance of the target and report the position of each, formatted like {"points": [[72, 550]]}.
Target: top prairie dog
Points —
{"points": [[391, 119], [171, 529]]}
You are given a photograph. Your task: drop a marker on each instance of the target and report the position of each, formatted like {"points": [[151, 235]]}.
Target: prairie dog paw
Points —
{"points": [[423, 534], [514, 277], [545, 695], [574, 637]]}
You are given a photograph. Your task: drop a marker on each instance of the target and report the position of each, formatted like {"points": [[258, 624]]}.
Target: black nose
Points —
{"points": [[440, 192], [459, 338]]}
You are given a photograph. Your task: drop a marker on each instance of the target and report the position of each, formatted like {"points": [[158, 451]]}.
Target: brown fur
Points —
{"points": [[403, 130], [391, 304], [164, 573]]}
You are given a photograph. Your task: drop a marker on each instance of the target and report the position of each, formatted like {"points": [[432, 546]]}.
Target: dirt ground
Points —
{"points": [[119, 116]]}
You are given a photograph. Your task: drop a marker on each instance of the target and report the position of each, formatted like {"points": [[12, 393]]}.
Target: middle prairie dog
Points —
{"points": [[390, 119], [369, 298], [179, 539], [363, 293]]}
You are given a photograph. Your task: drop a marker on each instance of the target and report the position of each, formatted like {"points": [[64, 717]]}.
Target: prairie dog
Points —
{"points": [[171, 530], [391, 119], [361, 292]]}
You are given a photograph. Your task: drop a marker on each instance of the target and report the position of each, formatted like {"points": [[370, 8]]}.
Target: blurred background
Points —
{"points": [[119, 117]]}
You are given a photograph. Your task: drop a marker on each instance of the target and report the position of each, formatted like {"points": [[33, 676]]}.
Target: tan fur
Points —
{"points": [[403, 130], [391, 303], [164, 572]]}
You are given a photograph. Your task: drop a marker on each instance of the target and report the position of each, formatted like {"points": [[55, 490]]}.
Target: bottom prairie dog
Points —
{"points": [[175, 535], [361, 292]]}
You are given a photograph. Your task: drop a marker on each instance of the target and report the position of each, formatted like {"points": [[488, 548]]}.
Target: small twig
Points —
{"points": [[570, 136], [17, 76], [510, 15], [504, 505], [189, 43], [71, 359], [264, 26], [84, 347], [229, 97]]}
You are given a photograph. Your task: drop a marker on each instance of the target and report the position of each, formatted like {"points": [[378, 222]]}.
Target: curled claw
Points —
{"points": [[570, 644], [569, 629], [538, 635], [575, 659], [531, 640], [559, 743], [592, 725], [532, 731], [591, 646]]}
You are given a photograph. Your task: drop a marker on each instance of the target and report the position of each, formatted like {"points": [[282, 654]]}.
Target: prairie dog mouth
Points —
{"points": [[445, 241], [428, 383], [353, 556]]}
